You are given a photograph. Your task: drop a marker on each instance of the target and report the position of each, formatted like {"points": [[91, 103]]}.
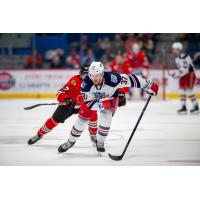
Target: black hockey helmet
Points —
{"points": [[84, 69]]}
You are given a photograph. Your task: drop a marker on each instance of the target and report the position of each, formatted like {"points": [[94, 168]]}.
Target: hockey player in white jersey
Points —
{"points": [[186, 76], [100, 90]]}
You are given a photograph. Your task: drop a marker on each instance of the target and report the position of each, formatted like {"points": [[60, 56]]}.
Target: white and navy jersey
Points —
{"points": [[184, 64], [112, 81]]}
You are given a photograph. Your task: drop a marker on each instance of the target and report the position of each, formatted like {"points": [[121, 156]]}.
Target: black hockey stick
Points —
{"points": [[43, 104], [113, 157]]}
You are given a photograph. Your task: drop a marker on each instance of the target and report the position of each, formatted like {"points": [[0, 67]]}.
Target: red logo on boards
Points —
{"points": [[6, 81]]}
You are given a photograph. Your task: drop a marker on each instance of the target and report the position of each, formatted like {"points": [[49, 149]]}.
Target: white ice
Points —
{"points": [[162, 138]]}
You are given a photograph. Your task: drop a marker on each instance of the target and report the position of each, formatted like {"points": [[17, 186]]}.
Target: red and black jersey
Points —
{"points": [[72, 89]]}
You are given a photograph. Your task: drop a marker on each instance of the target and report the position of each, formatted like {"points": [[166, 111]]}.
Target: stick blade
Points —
{"points": [[116, 158], [29, 108]]}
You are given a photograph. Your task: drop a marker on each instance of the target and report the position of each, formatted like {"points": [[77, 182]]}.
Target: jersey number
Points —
{"points": [[124, 80], [84, 96]]}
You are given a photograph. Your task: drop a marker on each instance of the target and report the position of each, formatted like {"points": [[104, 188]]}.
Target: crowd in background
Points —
{"points": [[69, 51], [104, 50]]}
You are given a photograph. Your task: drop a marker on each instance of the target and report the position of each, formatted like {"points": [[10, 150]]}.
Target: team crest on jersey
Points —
{"points": [[73, 82], [113, 78], [99, 95]]}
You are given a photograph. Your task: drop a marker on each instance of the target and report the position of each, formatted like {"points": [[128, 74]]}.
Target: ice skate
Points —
{"points": [[183, 110], [34, 139], [100, 148], [93, 139], [195, 110], [64, 147]]}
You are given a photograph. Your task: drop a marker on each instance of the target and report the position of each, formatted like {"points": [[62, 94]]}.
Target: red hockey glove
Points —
{"points": [[105, 103], [152, 88]]}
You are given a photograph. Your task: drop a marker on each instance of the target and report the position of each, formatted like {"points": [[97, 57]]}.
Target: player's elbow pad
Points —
{"points": [[61, 97]]}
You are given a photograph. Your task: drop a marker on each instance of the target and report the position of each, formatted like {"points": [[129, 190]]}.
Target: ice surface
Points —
{"points": [[162, 138]]}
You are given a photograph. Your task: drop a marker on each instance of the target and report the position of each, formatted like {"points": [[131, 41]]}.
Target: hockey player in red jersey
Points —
{"points": [[71, 95], [122, 66], [139, 63], [100, 91], [138, 60], [186, 76]]}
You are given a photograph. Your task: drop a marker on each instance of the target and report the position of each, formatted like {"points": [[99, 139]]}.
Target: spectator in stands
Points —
{"points": [[73, 60], [117, 44], [107, 44], [84, 43], [34, 60], [148, 47], [107, 57], [89, 58], [99, 49], [60, 54], [57, 60], [55, 63]]}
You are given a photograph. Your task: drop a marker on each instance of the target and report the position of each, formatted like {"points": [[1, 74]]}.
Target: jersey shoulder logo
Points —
{"points": [[73, 82], [113, 78], [99, 95]]}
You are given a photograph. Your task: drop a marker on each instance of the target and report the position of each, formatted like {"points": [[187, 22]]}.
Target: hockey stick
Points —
{"points": [[43, 104], [113, 157]]}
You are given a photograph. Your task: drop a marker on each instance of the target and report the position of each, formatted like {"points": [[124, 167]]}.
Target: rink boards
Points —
{"points": [[45, 83]]}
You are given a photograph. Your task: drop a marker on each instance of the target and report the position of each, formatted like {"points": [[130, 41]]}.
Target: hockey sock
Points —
{"points": [[47, 127], [183, 97], [102, 133], [77, 129], [193, 98], [105, 120]]}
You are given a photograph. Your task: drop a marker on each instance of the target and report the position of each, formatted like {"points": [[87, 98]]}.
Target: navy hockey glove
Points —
{"points": [[122, 99]]}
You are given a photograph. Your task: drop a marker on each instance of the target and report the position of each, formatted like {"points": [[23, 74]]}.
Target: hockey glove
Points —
{"points": [[175, 75], [76, 110], [69, 101], [105, 103], [151, 88], [122, 99]]}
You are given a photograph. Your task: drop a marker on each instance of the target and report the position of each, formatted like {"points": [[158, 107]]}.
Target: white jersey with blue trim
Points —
{"points": [[184, 64], [108, 89]]}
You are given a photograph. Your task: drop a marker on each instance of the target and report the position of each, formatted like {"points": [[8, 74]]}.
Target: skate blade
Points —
{"points": [[195, 113], [94, 144], [182, 113], [101, 154]]}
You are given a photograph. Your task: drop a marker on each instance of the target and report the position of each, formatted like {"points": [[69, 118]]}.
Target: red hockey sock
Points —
{"points": [[47, 127]]}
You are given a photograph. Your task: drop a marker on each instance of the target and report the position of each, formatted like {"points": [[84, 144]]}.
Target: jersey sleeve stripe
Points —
{"points": [[138, 85], [133, 82]]}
